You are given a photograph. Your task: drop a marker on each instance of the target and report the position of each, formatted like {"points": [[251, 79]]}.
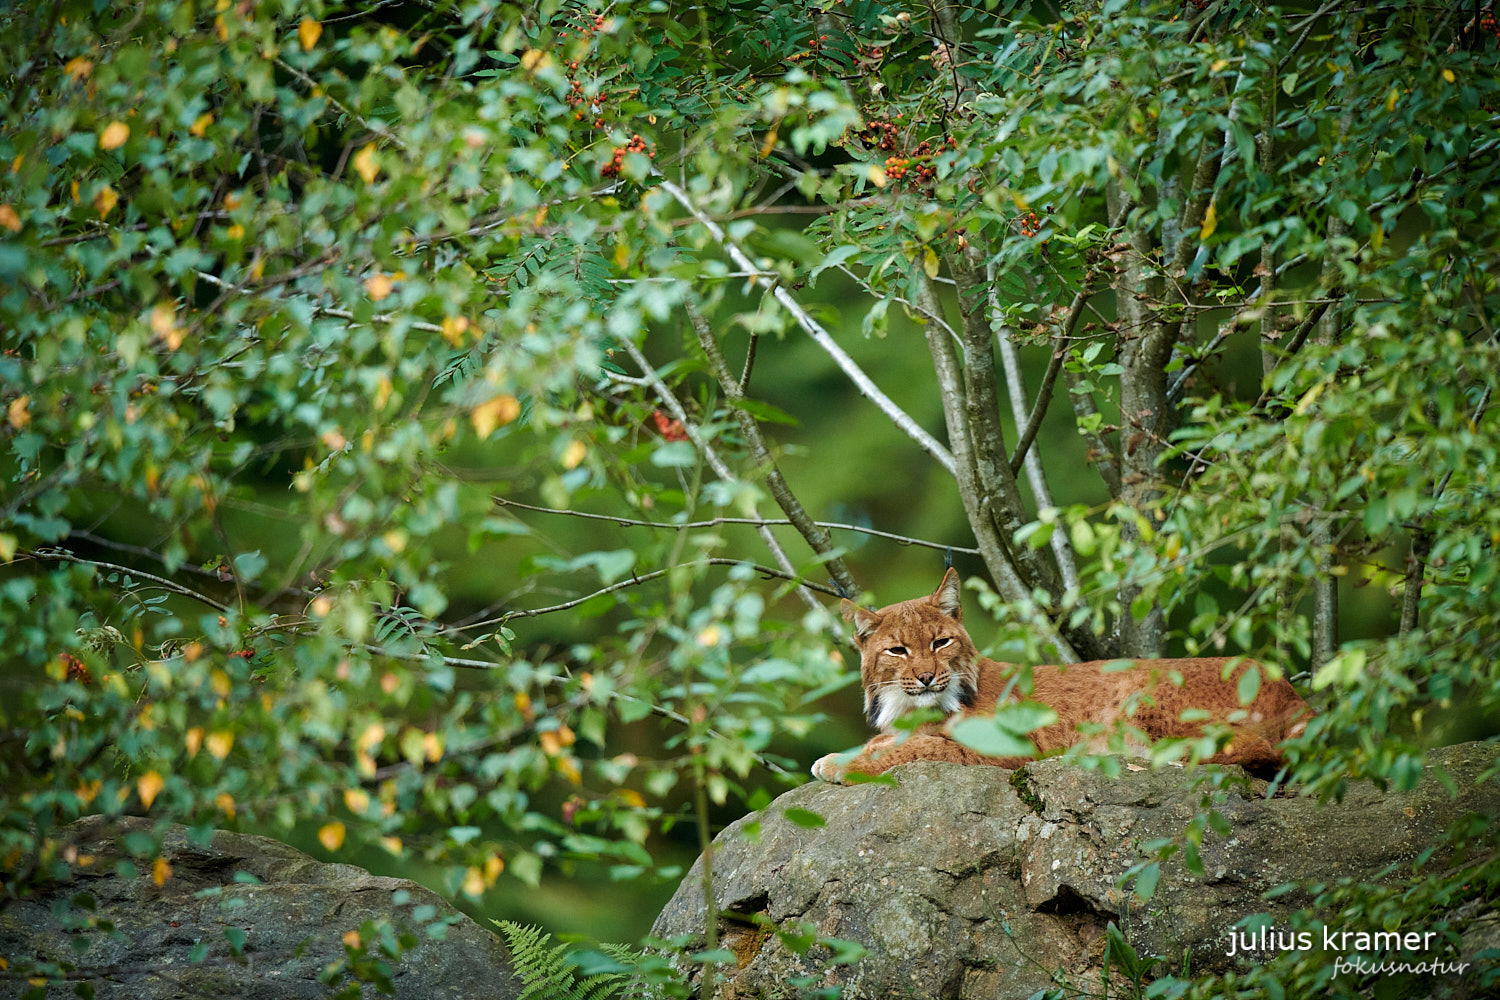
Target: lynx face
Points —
{"points": [[915, 654]]}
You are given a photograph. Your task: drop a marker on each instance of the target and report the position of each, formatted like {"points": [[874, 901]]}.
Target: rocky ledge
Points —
{"points": [[982, 882]]}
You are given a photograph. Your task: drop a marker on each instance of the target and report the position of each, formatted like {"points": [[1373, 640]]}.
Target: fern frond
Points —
{"points": [[545, 971]]}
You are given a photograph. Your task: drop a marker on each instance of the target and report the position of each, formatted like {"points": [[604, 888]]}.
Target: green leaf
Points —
{"points": [[805, 818], [1249, 684], [989, 737]]}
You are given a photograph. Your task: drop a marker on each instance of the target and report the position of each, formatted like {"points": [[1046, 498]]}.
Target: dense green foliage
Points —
{"points": [[289, 291]]}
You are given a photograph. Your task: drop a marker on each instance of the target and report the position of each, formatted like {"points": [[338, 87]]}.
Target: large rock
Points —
{"points": [[982, 882], [294, 916]]}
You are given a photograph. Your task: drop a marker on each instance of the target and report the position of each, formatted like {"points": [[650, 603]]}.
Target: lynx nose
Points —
{"points": [[924, 678]]}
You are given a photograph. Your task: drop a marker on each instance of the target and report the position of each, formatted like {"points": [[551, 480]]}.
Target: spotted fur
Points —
{"points": [[917, 654]]}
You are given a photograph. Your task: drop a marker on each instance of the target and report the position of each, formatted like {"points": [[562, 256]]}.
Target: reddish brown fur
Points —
{"points": [[1150, 696]]}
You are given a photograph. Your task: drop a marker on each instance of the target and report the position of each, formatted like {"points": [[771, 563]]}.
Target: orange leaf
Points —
{"points": [[200, 124], [9, 219], [365, 163], [18, 413], [106, 200], [497, 412], [114, 136], [331, 835], [161, 870], [149, 787], [379, 286]]}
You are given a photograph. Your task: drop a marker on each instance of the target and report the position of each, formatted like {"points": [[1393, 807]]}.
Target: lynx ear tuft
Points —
{"points": [[864, 621], [948, 597]]}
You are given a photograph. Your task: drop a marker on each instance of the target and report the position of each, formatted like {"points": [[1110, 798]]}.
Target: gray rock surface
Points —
{"points": [[981, 882], [294, 920]]}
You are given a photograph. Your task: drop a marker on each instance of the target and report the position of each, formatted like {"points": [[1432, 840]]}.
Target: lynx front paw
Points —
{"points": [[830, 768]]}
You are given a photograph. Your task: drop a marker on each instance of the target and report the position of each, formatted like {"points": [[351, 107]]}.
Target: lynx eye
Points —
{"points": [[897, 651], [940, 643]]}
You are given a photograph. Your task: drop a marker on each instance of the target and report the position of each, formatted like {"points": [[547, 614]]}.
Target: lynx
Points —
{"points": [[916, 654]]}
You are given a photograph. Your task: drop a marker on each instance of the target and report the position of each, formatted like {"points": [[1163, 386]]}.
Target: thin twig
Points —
{"points": [[62, 555], [627, 522], [1049, 380]]}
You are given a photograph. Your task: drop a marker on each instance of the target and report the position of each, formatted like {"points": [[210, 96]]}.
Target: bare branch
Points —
{"points": [[820, 336], [669, 400], [816, 537], [1015, 383]]}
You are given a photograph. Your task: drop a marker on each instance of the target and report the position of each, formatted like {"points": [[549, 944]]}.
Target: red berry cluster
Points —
{"points": [[1487, 23], [1200, 4], [635, 145], [1030, 225]]}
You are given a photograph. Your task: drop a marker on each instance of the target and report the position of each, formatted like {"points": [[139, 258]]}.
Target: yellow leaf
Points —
{"points": [[574, 454], [149, 787], [308, 33], [331, 835], [220, 682], [494, 413], [356, 800], [569, 767], [18, 413], [474, 883], [161, 870], [9, 219], [395, 540], [876, 173], [366, 164], [534, 59], [930, 262], [632, 798], [391, 844], [219, 743], [432, 747], [551, 745], [351, 940], [235, 232], [372, 737], [1448, 75], [193, 740], [106, 200], [709, 636], [200, 124], [114, 136], [78, 68], [1210, 221], [1217, 65], [622, 255], [453, 330], [8, 545], [225, 804]]}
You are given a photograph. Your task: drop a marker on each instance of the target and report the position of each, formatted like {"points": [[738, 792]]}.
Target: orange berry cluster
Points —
{"points": [[76, 671], [814, 46], [1030, 225], [1487, 23], [585, 26], [916, 165], [878, 134], [576, 99], [635, 145]]}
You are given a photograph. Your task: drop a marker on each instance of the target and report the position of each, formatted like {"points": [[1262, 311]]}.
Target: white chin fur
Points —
{"points": [[896, 703]]}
